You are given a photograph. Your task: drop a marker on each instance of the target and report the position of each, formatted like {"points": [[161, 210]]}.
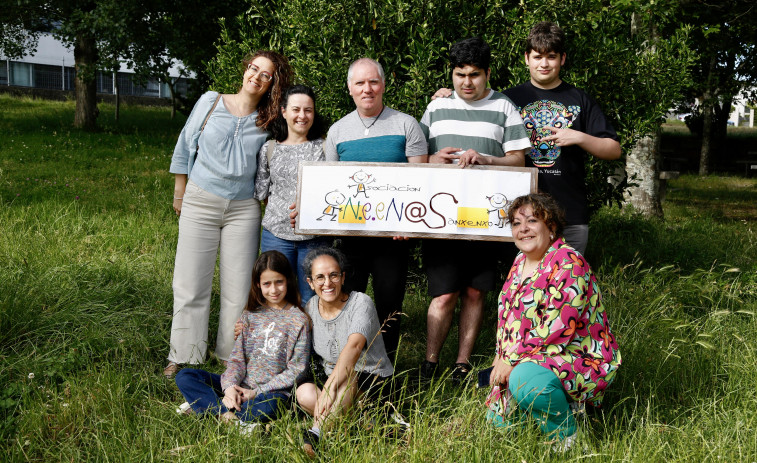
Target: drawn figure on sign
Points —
{"points": [[499, 203], [334, 199], [361, 179]]}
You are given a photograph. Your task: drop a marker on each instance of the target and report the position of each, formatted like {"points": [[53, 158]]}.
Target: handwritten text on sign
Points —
{"points": [[426, 200]]}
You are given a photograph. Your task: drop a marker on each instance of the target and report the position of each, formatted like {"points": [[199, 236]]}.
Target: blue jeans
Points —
{"points": [[295, 252], [203, 392]]}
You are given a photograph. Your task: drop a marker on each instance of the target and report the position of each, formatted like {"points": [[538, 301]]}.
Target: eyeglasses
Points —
{"points": [[264, 76], [321, 279]]}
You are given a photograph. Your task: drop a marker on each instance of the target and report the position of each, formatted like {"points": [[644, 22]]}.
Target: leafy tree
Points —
{"points": [[643, 159], [116, 46], [84, 24], [150, 35], [635, 83], [190, 29], [725, 39], [20, 24], [177, 32], [149, 56]]}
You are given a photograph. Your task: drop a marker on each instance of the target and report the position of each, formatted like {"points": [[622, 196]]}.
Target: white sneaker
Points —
{"points": [[565, 444], [246, 428], [184, 409], [399, 419]]}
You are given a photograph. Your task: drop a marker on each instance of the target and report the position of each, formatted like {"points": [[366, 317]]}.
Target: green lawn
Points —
{"points": [[86, 261]]}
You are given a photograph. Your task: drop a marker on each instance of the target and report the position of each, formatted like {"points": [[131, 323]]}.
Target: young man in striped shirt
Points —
{"points": [[476, 125]]}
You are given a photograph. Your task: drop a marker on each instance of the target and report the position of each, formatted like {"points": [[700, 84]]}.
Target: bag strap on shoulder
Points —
{"points": [[218, 97]]}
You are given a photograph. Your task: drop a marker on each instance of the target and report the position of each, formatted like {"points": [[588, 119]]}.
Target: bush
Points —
{"points": [[411, 38]]}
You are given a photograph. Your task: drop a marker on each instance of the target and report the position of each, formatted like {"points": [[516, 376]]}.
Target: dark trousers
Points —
{"points": [[386, 260], [203, 392]]}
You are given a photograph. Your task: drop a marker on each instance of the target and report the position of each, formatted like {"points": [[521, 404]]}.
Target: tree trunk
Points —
{"points": [[644, 161], [707, 110], [722, 111], [704, 154], [85, 58]]}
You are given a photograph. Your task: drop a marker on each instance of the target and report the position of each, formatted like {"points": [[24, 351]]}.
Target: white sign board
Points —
{"points": [[401, 199]]}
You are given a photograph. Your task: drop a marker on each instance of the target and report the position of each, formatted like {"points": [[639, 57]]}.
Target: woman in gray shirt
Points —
{"points": [[347, 337], [297, 136]]}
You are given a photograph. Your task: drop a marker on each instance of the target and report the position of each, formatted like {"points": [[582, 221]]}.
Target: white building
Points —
{"points": [[742, 115], [52, 67]]}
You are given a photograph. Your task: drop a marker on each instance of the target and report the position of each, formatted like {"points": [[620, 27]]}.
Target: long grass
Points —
{"points": [[86, 259]]}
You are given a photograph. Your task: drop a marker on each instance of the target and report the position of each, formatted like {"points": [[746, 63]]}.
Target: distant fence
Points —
{"points": [[48, 77]]}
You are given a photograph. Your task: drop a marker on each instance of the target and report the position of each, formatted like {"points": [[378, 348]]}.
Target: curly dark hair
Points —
{"points": [[268, 107], [472, 51], [545, 37], [544, 208], [334, 253], [279, 128], [276, 261]]}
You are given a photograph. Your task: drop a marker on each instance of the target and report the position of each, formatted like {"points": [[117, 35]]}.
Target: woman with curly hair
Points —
{"points": [[554, 350], [213, 197]]}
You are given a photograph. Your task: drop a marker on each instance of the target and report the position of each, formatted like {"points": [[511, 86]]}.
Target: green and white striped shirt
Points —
{"points": [[492, 125]]}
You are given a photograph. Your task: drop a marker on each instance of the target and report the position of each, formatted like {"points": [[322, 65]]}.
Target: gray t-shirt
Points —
{"points": [[357, 316], [392, 137], [278, 183]]}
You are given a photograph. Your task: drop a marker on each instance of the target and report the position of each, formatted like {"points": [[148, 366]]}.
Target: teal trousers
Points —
{"points": [[539, 394]]}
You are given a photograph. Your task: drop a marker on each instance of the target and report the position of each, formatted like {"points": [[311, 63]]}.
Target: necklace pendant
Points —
{"points": [[366, 131]]}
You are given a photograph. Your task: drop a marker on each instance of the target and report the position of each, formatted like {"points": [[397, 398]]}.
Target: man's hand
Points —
{"points": [[601, 148], [238, 328], [564, 137], [442, 93], [293, 214], [470, 157], [444, 156]]}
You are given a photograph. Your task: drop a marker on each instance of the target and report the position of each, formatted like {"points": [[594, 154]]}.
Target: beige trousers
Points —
{"points": [[209, 223]]}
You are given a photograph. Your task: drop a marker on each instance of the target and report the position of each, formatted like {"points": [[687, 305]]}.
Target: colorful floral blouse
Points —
{"points": [[555, 319]]}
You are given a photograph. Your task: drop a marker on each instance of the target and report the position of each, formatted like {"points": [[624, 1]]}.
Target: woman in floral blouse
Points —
{"points": [[297, 136], [554, 344]]}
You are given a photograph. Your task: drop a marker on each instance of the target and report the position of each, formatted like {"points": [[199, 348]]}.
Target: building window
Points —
{"points": [[55, 77], [70, 77], [21, 74], [152, 88], [49, 77], [4, 73], [104, 82]]}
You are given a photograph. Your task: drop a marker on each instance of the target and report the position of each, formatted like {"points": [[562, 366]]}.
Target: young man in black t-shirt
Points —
{"points": [[563, 122]]}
